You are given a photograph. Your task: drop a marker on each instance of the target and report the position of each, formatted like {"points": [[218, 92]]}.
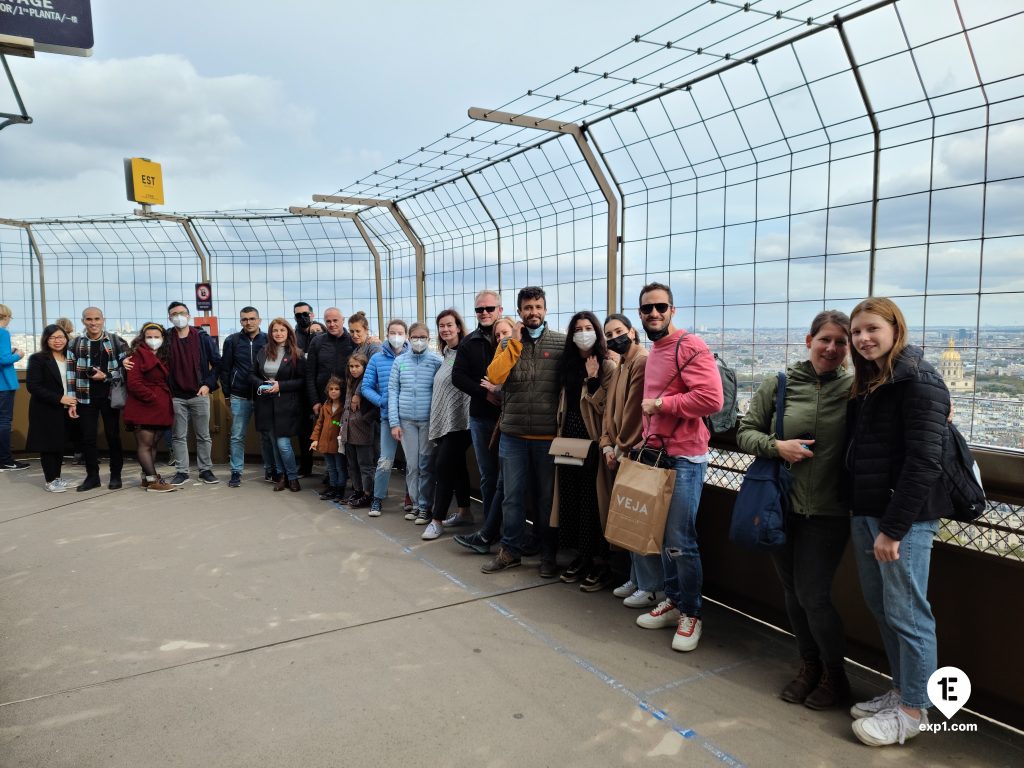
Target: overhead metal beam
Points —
{"points": [[410, 234], [578, 134]]}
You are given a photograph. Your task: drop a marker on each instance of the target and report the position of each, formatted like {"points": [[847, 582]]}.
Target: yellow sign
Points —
{"points": [[145, 181]]}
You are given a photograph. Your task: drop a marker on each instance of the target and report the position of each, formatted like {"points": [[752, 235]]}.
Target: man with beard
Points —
{"points": [[681, 386], [527, 367], [475, 353], [304, 335]]}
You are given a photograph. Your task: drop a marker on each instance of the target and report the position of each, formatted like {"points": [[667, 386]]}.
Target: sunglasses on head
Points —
{"points": [[661, 307], [481, 310]]}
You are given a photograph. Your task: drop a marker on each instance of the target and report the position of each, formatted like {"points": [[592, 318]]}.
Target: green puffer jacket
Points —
{"points": [[815, 406], [533, 387]]}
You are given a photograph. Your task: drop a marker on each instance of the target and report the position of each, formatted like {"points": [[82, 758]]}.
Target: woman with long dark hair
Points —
{"points": [[576, 510], [278, 377], [51, 406], [149, 409]]}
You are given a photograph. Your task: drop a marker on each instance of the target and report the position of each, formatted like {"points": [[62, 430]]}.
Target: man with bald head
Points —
{"points": [[95, 360], [326, 356]]}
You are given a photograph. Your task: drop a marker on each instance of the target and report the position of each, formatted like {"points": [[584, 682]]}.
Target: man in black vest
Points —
{"points": [[527, 367]]}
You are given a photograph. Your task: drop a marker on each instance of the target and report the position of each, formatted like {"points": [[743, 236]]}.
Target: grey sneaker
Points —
{"points": [[890, 726], [55, 486], [180, 478], [642, 599], [626, 589], [501, 562], [208, 477], [887, 700]]}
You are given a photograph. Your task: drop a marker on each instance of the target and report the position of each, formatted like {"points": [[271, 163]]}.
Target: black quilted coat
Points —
{"points": [[895, 448]]}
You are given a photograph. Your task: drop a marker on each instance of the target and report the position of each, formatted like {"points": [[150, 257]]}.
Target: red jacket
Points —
{"points": [[149, 393]]}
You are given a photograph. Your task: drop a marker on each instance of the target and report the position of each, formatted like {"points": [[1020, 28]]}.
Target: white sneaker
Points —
{"points": [[887, 700], [433, 530], [641, 598], [62, 483], [410, 514], [56, 486], [626, 589], [664, 615], [890, 726], [687, 634]]}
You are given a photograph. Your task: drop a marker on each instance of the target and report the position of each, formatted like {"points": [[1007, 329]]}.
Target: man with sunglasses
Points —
{"points": [[475, 353], [681, 386], [304, 335]]}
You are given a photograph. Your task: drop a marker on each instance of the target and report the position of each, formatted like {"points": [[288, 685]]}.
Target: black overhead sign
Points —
{"points": [[57, 26]]}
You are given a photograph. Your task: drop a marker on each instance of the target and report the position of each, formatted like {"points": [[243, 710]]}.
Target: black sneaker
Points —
{"points": [[269, 476], [548, 569], [14, 466], [473, 541], [575, 570], [114, 484], [89, 483], [502, 561], [236, 480], [180, 478], [599, 578], [208, 477]]}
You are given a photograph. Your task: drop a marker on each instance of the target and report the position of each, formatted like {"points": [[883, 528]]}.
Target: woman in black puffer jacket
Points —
{"points": [[899, 408]]}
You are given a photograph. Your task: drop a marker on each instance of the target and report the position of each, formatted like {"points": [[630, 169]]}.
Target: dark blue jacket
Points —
{"points": [[237, 362]]}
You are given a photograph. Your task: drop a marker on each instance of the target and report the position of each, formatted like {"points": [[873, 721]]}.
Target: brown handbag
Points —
{"points": [[571, 451]]}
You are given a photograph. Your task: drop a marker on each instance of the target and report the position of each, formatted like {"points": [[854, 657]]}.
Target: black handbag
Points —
{"points": [[759, 514]]}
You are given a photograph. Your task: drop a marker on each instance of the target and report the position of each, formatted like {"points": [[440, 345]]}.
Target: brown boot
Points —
{"points": [[281, 484], [293, 486], [806, 680], [832, 691], [159, 486]]}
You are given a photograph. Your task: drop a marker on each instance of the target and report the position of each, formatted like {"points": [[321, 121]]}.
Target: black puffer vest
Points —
{"points": [[532, 389], [895, 450]]}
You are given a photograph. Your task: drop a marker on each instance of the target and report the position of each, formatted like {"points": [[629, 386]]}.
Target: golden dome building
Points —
{"points": [[951, 368]]}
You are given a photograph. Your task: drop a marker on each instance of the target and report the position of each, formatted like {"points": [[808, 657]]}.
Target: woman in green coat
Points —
{"points": [[817, 529]]}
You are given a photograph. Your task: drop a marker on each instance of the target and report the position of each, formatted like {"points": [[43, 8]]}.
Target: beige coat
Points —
{"points": [[623, 423], [592, 410]]}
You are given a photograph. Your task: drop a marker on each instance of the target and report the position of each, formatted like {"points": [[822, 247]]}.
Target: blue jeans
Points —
{"points": [[337, 469], [6, 417], [284, 456], [680, 555], [241, 411], [897, 594], [527, 472], [418, 452], [647, 572], [382, 476], [486, 460]]}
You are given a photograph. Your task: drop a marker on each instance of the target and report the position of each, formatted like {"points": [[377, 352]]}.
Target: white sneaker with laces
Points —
{"points": [[890, 726], [411, 514], [433, 530], [887, 700], [626, 589], [641, 598], [664, 615], [687, 634], [55, 486]]}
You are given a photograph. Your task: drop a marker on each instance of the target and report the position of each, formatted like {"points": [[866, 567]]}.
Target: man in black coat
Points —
{"points": [[327, 356], [303, 336], [475, 353]]}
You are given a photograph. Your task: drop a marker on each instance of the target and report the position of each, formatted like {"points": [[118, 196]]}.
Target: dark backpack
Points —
{"points": [[962, 478], [726, 418]]}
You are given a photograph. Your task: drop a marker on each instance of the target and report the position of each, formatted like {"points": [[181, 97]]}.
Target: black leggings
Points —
{"points": [[146, 440], [450, 472], [50, 462]]}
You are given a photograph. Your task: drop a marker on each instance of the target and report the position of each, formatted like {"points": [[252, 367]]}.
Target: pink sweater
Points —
{"points": [[687, 398]]}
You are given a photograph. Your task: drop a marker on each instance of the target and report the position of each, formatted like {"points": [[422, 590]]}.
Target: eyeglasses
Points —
{"points": [[481, 310], [661, 307]]}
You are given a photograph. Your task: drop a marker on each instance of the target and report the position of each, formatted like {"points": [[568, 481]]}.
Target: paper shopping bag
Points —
{"points": [[639, 507]]}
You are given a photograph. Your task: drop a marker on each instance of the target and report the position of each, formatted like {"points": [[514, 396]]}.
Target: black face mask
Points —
{"points": [[655, 335], [620, 344], [302, 319]]}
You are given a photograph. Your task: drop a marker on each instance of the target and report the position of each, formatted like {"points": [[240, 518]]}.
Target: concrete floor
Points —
{"points": [[240, 627]]}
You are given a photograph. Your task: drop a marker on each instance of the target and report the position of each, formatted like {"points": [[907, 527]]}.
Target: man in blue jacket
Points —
{"points": [[237, 361], [195, 363]]}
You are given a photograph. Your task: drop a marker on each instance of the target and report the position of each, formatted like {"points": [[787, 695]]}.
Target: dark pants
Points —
{"points": [[450, 472], [807, 565], [6, 418], [89, 417], [51, 464], [306, 421]]}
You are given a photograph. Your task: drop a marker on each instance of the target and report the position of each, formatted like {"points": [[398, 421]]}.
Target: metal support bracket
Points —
{"points": [[18, 46], [579, 135]]}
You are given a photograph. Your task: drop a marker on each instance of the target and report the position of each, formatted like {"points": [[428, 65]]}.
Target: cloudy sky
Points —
{"points": [[261, 104]]}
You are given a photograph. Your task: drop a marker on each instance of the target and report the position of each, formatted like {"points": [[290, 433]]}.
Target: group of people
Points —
{"points": [[863, 446]]}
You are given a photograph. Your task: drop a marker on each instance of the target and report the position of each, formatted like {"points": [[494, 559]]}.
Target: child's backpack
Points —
{"points": [[962, 478]]}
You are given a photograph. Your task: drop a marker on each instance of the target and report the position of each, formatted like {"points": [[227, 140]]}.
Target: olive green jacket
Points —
{"points": [[815, 406]]}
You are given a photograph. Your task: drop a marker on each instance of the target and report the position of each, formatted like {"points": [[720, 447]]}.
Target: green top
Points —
{"points": [[815, 406]]}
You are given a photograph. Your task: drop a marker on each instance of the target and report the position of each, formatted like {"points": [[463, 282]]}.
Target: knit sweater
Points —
{"points": [[687, 396], [449, 407]]}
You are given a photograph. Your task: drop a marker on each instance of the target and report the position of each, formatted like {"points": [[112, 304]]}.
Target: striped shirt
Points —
{"points": [[449, 406]]}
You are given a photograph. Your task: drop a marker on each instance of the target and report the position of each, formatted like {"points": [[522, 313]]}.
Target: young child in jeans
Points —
{"points": [[325, 439], [357, 426]]}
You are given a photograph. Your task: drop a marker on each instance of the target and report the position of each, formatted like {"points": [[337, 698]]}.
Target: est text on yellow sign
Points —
{"points": [[144, 180]]}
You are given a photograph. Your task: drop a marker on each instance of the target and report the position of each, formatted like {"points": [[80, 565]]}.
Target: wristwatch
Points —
{"points": [[657, 403]]}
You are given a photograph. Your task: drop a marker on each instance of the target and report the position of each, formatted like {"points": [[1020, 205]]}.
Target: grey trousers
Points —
{"points": [[198, 410]]}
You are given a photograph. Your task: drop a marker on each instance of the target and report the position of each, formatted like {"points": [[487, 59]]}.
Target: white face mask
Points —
{"points": [[179, 321], [396, 340], [584, 339], [418, 345], [154, 343]]}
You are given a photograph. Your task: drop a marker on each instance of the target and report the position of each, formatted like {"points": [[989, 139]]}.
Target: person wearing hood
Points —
{"points": [[818, 525], [194, 366], [375, 389]]}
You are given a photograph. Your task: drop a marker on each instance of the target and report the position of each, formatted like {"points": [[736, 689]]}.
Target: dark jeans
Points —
{"points": [[806, 566], [528, 473], [6, 416], [486, 460], [89, 417], [492, 521], [51, 465], [450, 473]]}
